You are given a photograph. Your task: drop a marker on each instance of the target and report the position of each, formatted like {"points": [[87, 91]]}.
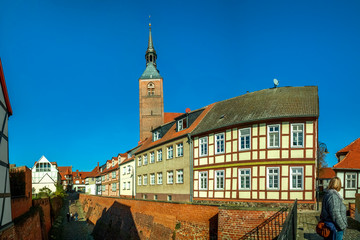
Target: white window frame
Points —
{"points": [[128, 169], [297, 132], [203, 144], [152, 178], [244, 136], [159, 178], [218, 141], [243, 176], [145, 162], [124, 170], [156, 135], [278, 134], [139, 180], [139, 161], [170, 176], [152, 157], [179, 173], [124, 185], [159, 155], [145, 179], [220, 178], [272, 174], [203, 178], [128, 186], [179, 149], [350, 179], [113, 174], [296, 176], [180, 125], [113, 189], [170, 149]]}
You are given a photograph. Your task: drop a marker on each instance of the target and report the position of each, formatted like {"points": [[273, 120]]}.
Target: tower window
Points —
{"points": [[150, 58], [151, 89]]}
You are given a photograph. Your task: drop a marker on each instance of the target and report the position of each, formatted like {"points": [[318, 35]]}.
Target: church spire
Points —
{"points": [[150, 54]]}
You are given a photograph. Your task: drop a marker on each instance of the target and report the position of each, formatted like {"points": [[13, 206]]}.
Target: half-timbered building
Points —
{"points": [[258, 147], [348, 169], [5, 196]]}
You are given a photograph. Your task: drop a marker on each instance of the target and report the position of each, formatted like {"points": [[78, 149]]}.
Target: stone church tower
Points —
{"points": [[151, 96]]}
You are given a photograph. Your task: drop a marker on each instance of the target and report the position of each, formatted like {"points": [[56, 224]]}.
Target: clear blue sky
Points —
{"points": [[72, 67]]}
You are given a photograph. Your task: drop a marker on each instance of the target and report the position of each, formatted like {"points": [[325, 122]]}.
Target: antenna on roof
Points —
{"points": [[276, 82]]}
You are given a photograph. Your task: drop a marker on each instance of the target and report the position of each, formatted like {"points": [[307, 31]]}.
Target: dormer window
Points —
{"points": [[181, 124], [151, 89], [113, 163], [43, 167], [156, 135]]}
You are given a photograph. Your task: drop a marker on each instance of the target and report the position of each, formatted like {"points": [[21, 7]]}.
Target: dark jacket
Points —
{"points": [[334, 210]]}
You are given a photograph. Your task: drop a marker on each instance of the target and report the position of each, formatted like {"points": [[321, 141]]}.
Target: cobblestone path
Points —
{"points": [[72, 230], [307, 221]]}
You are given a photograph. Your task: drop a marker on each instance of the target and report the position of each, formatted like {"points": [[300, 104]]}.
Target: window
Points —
{"points": [[124, 185], [152, 178], [155, 197], [77, 182], [145, 179], [220, 143], [350, 179], [273, 178], [151, 88], [170, 177], [179, 149], [297, 135], [203, 180], [103, 188], [244, 139], [124, 170], [139, 161], [107, 177], [128, 169], [103, 177], [181, 124], [169, 198], [159, 178], [113, 187], [244, 178], [144, 196], [145, 159], [156, 135], [159, 155], [170, 152], [296, 178], [219, 180], [274, 136], [113, 174], [113, 163], [180, 176], [203, 149], [128, 186], [139, 180], [152, 157], [43, 167]]}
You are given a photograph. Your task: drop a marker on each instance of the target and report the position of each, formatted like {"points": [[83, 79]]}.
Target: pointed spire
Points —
{"points": [[150, 54]]}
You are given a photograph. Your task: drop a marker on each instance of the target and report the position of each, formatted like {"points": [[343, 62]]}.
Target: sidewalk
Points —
{"points": [[72, 230], [307, 221]]}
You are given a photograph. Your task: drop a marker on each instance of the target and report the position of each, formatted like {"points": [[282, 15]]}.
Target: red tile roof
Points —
{"points": [[168, 117], [352, 156], [326, 173], [127, 160], [172, 133], [64, 171], [94, 172], [110, 169], [4, 89]]}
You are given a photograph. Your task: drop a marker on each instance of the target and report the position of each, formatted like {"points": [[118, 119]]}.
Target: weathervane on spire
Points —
{"points": [[150, 21]]}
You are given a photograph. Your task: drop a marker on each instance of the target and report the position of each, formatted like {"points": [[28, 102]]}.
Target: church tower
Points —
{"points": [[151, 96]]}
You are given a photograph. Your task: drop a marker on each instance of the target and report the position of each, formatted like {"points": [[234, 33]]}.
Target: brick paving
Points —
{"points": [[73, 230], [307, 221]]}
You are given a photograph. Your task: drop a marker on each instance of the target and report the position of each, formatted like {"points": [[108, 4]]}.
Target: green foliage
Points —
{"points": [[44, 192], [60, 192]]}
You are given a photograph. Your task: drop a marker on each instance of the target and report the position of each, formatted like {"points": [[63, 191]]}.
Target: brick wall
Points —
{"points": [[147, 219], [19, 206], [140, 219], [236, 223], [30, 228], [44, 203], [8, 233]]}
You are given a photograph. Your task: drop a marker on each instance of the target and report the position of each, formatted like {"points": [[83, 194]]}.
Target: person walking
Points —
{"points": [[68, 216], [333, 211]]}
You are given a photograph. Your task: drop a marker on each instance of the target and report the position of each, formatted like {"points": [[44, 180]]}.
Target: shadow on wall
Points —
{"points": [[115, 223], [213, 224]]}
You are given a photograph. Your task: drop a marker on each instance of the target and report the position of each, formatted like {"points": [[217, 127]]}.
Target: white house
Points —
{"points": [[45, 174]]}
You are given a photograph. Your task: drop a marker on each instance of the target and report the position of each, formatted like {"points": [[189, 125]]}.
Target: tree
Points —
{"points": [[322, 151]]}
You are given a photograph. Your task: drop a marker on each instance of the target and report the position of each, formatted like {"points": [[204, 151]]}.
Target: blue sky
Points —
{"points": [[72, 67]]}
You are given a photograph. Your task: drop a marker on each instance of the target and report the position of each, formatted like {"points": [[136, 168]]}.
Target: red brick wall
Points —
{"points": [[29, 229], [19, 206], [153, 220], [236, 223], [8, 234], [44, 203]]}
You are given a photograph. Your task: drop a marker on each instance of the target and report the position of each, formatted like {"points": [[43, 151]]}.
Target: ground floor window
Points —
{"points": [[296, 178], [244, 178], [350, 179]]}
